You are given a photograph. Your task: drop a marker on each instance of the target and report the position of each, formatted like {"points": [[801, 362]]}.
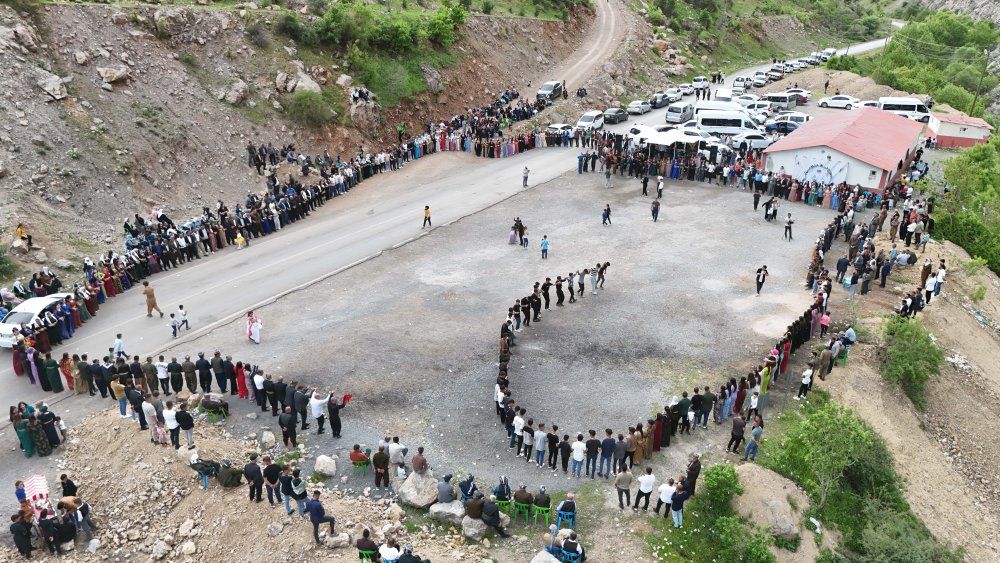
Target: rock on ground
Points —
{"points": [[476, 529], [418, 490], [326, 465], [112, 75], [765, 500], [51, 85], [544, 557], [267, 439], [452, 512], [340, 540]]}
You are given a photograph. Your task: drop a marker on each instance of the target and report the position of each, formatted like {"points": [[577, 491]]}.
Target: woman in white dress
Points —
{"points": [[253, 327]]}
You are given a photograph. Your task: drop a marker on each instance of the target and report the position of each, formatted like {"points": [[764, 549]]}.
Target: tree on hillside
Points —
{"points": [[835, 439]]}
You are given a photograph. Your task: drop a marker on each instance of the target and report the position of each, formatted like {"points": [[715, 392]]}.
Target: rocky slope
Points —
{"points": [[982, 9], [109, 110]]}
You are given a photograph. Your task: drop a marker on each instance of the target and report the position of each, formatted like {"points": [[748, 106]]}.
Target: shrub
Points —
{"points": [[292, 27], [309, 109], [7, 268], [893, 536], [910, 358], [979, 294], [973, 266], [487, 7], [721, 483], [739, 542], [655, 16], [440, 29], [258, 35]]}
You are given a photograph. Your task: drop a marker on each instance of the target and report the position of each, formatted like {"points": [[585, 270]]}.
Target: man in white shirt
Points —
{"points": [[317, 406], [579, 454], [645, 489], [518, 427], [170, 420], [806, 382], [162, 375], [940, 279], [666, 491], [389, 551]]}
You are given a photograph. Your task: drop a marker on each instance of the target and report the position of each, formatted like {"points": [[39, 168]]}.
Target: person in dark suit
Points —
{"points": [[693, 471]]}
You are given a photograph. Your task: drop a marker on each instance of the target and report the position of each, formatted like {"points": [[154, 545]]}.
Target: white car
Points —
{"points": [[558, 128], [746, 141], [745, 99], [638, 107], [761, 107], [700, 82], [592, 120], [686, 89], [673, 94], [792, 116], [698, 134], [868, 104], [839, 101], [759, 80], [26, 313]]}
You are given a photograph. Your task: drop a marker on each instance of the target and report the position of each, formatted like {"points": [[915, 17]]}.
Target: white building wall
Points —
{"points": [[825, 165]]}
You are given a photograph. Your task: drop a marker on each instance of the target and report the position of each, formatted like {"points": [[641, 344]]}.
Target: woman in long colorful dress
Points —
{"points": [[52, 374], [253, 327], [29, 366], [741, 396], [241, 382], [38, 438], [67, 368], [640, 444], [27, 445], [16, 357]]}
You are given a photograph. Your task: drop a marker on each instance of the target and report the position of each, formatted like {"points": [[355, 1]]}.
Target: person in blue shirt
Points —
{"points": [[19, 491], [317, 515]]}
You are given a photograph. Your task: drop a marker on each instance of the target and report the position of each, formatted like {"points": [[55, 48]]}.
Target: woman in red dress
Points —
{"points": [[64, 367], [741, 396], [241, 384], [108, 281]]}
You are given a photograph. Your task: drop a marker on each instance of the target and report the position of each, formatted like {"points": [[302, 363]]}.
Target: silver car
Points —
{"points": [[638, 107]]}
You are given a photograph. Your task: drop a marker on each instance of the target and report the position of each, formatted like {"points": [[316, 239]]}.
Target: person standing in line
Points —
{"points": [[607, 452], [541, 437], [380, 463], [186, 423], [645, 489], [736, 437], [524, 178], [151, 305], [788, 227], [545, 248], [272, 479], [806, 382], [677, 505], [593, 278], [623, 484], [317, 406], [427, 216], [659, 187], [254, 477], [170, 421], [666, 490], [579, 449], [693, 470], [655, 209], [755, 434], [940, 278], [761, 277], [318, 515]]}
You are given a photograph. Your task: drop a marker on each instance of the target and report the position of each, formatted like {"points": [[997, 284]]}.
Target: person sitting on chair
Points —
{"points": [[542, 499], [567, 505], [570, 545]]}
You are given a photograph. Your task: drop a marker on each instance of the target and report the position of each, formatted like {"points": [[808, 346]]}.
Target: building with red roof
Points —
{"points": [[866, 147], [953, 130]]}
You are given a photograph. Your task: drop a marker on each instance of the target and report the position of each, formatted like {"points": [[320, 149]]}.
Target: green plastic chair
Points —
{"points": [[361, 466], [539, 511], [213, 414], [520, 507], [367, 555], [842, 358], [503, 505]]}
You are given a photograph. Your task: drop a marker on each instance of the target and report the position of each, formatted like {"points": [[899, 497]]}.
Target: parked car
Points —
{"points": [[616, 115], [699, 82], [673, 94], [839, 101], [26, 313], [686, 89], [746, 141], [592, 120], [783, 127], [868, 104], [760, 107], [550, 91], [658, 100], [792, 116], [801, 93], [745, 99], [639, 133], [699, 134], [759, 80], [558, 128]]}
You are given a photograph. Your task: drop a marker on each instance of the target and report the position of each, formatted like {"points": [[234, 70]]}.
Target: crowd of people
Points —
{"points": [[53, 526]]}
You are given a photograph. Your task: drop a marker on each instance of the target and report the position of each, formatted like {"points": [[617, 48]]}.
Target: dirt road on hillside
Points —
{"points": [[596, 46]]}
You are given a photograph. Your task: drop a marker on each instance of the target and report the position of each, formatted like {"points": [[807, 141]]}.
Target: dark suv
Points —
{"points": [[550, 91]]}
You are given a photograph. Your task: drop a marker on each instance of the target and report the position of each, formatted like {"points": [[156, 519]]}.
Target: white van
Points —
{"points": [[910, 108], [679, 112], [781, 100], [726, 122], [723, 95], [829, 52]]}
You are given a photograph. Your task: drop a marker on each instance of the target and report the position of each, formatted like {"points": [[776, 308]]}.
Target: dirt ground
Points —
{"points": [[842, 81], [947, 454]]}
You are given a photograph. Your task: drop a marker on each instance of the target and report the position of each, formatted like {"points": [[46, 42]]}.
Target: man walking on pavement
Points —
{"points": [[151, 305], [761, 277], [524, 178], [606, 215]]}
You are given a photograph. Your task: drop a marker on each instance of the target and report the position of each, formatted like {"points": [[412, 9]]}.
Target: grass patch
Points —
{"points": [[83, 245], [310, 109], [7, 267], [394, 79], [291, 457], [791, 545], [318, 477]]}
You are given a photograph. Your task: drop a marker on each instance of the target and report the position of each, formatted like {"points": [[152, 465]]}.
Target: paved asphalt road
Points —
{"points": [[383, 213]]}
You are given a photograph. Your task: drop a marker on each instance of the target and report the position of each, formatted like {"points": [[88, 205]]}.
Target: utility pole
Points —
{"points": [[986, 62]]}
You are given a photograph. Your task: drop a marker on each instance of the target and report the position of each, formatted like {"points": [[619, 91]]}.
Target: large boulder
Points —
{"points": [[544, 557], [236, 94], [452, 512], [51, 85], [433, 78], [326, 465], [340, 540], [306, 82], [19, 247], [112, 75], [344, 81], [418, 490], [267, 439], [765, 500], [475, 528]]}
